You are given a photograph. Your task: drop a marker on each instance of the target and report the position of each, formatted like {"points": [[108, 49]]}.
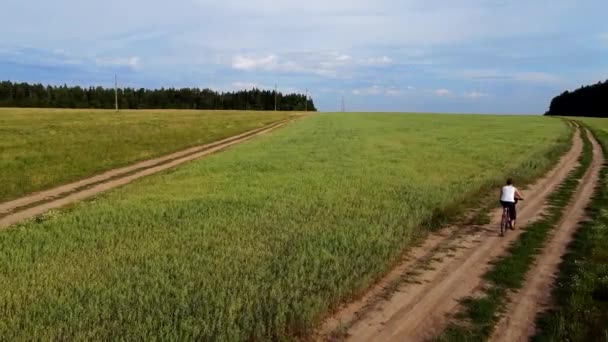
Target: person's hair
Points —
{"points": [[509, 181]]}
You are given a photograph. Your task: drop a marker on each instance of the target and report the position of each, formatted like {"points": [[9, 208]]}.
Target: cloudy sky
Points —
{"points": [[485, 56]]}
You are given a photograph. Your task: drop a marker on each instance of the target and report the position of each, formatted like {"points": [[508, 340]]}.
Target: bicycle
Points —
{"points": [[505, 224]]}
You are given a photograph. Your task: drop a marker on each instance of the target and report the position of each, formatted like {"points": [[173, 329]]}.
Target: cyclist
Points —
{"points": [[508, 198]]}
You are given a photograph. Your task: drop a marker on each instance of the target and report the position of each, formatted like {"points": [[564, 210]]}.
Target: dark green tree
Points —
{"points": [[37, 95], [589, 101]]}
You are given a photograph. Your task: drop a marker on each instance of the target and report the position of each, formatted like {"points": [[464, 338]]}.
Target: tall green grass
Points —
{"points": [[581, 292], [41, 148], [261, 241]]}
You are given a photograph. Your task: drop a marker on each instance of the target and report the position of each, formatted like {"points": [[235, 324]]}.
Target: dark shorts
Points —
{"points": [[511, 206]]}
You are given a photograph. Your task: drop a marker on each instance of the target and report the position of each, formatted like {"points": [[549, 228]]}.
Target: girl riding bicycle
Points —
{"points": [[508, 198]]}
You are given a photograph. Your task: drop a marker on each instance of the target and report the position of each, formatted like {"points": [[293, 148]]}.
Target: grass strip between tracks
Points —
{"points": [[581, 293], [480, 315]]}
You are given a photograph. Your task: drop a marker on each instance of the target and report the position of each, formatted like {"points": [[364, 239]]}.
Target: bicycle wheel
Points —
{"points": [[504, 222]]}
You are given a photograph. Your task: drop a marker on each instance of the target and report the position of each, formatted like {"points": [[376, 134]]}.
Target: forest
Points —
{"points": [[591, 101], [40, 96]]}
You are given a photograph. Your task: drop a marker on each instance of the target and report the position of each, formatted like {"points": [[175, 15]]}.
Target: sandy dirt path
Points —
{"points": [[414, 301], [519, 322], [38, 203]]}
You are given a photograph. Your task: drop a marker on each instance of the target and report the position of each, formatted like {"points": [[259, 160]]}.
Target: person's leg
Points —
{"points": [[505, 206], [506, 217], [513, 214]]}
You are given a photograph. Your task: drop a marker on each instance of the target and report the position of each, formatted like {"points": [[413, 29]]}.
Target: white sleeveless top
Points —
{"points": [[508, 194]]}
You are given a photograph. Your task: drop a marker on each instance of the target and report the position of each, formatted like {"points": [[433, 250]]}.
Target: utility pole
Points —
{"points": [[275, 97], [306, 101], [343, 106], [116, 92]]}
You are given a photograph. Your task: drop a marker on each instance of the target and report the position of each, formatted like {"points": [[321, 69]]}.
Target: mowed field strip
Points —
{"points": [[263, 240], [44, 148]]}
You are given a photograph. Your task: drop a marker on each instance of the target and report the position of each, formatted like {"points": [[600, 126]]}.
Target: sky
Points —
{"points": [[465, 56]]}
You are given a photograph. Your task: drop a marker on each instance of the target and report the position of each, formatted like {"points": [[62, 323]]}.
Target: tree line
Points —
{"points": [[589, 100], [37, 95]]}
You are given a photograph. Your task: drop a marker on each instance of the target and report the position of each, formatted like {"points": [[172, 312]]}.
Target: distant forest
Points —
{"points": [[38, 95], [586, 101]]}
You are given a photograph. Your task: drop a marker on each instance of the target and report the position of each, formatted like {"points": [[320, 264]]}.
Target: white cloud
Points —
{"points": [[443, 92], [393, 92], [273, 63], [35, 56], [329, 65], [373, 90], [537, 77], [533, 77], [344, 58], [246, 85], [377, 90], [396, 91], [384, 60], [478, 74], [475, 95], [131, 62], [67, 58], [251, 63]]}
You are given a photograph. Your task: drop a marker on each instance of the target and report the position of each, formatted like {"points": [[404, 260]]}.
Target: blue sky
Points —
{"points": [[482, 56]]}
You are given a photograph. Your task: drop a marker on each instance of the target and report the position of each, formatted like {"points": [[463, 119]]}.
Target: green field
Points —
{"points": [[261, 241], [41, 148], [600, 124]]}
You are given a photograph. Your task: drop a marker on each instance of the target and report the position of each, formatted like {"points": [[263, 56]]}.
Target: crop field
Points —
{"points": [[260, 241], [600, 124], [41, 148]]}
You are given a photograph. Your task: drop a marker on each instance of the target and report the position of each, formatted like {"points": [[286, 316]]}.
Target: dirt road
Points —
{"points": [[33, 205], [518, 324], [414, 301]]}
